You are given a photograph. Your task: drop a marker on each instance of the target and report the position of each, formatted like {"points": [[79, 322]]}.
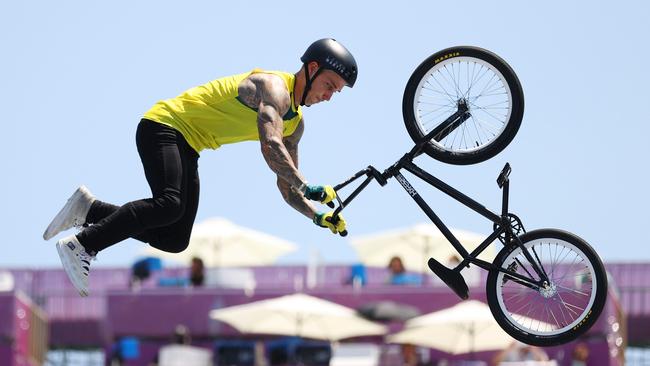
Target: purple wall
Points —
{"points": [[16, 331], [7, 302], [6, 315], [113, 309], [156, 313], [6, 353]]}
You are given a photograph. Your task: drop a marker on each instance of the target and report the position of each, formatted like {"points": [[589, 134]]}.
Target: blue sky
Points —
{"points": [[75, 78]]}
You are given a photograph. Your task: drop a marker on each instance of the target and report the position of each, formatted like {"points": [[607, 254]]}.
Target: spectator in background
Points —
{"points": [[398, 275], [580, 355], [518, 352], [180, 336], [395, 266], [409, 355], [197, 277], [471, 275]]}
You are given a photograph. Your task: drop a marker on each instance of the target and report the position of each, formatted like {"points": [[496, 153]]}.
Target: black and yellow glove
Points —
{"points": [[322, 194], [325, 219]]}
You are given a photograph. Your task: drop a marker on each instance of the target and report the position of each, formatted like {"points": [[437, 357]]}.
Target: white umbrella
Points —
{"points": [[219, 242], [415, 245], [298, 315], [463, 328]]}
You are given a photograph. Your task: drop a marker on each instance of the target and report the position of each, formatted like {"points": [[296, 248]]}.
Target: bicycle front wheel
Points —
{"points": [[560, 310], [474, 81]]}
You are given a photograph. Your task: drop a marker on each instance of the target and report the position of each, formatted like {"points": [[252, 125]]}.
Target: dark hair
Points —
{"points": [[401, 264], [196, 272]]}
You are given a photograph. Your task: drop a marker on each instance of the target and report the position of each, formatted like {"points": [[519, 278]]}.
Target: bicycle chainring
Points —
{"points": [[516, 226]]}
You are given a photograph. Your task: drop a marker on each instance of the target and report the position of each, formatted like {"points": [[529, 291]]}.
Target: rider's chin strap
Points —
{"points": [[308, 83]]}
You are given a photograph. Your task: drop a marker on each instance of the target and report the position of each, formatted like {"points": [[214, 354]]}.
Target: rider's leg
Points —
{"points": [[175, 238], [100, 210], [172, 238], [168, 163]]}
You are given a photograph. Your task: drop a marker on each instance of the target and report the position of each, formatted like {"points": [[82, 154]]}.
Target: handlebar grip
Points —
{"points": [[334, 220], [322, 196]]}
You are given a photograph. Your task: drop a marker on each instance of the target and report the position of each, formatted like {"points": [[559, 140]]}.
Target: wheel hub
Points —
{"points": [[548, 290], [463, 105]]}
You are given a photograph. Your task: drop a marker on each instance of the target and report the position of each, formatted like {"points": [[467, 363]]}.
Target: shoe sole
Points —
{"points": [[67, 266], [57, 222]]}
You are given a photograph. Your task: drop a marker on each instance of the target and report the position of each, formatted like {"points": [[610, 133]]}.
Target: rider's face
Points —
{"points": [[324, 86]]}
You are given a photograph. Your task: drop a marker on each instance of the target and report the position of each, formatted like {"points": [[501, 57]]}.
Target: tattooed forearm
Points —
{"points": [[279, 161], [291, 195], [295, 199]]}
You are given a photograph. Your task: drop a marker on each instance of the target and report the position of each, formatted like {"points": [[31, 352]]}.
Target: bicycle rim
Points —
{"points": [[464, 79], [561, 305]]}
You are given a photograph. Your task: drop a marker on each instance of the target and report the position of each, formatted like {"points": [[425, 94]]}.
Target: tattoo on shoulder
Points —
{"points": [[267, 88]]}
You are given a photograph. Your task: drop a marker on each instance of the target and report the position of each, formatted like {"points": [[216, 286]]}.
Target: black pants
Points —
{"points": [[165, 220]]}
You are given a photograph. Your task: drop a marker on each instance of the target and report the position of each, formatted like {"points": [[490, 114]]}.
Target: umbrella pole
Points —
{"points": [[424, 260], [472, 341], [216, 252]]}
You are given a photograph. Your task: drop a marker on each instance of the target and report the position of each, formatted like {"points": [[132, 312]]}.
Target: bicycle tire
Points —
{"points": [[554, 331], [484, 134]]}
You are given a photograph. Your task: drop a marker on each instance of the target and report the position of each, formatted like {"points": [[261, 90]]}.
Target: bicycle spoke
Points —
{"points": [[554, 318], [451, 98], [453, 81], [573, 290], [524, 268]]}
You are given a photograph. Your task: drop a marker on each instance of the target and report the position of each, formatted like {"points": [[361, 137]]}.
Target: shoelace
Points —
{"points": [[77, 224], [85, 259]]}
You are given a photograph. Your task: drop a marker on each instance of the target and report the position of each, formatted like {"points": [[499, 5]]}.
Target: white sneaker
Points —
{"points": [[72, 214], [76, 262]]}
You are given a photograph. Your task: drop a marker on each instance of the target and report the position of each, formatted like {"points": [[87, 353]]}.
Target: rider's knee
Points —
{"points": [[171, 244], [169, 207]]}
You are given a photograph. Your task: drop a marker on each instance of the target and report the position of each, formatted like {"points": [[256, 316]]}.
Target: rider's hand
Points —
{"points": [[323, 194], [324, 219]]}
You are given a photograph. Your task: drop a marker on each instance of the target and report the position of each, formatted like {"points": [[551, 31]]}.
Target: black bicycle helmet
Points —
{"points": [[330, 55]]}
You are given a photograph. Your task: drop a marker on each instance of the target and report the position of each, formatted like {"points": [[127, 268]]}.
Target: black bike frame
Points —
{"points": [[503, 223]]}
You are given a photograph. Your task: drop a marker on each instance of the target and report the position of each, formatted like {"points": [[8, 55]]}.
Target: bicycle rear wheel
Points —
{"points": [[471, 79], [563, 309]]}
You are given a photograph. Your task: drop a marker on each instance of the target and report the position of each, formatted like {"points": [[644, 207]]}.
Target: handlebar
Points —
{"points": [[335, 215], [371, 173]]}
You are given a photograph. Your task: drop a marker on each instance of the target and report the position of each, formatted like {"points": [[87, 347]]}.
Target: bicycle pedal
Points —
{"points": [[503, 176], [453, 279]]}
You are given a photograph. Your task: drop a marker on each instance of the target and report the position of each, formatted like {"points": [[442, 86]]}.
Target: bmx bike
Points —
{"points": [[463, 105]]}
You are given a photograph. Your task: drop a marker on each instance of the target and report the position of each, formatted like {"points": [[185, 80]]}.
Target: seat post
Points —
{"points": [[504, 205]]}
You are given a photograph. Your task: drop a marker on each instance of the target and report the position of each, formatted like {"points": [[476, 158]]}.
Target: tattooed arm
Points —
{"points": [[269, 95], [291, 195]]}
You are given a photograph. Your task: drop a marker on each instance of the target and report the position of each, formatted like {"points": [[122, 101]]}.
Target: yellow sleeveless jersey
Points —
{"points": [[212, 114]]}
